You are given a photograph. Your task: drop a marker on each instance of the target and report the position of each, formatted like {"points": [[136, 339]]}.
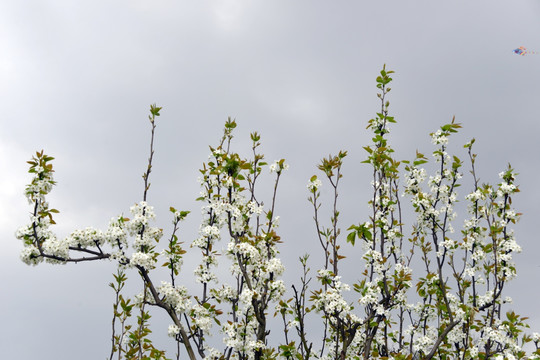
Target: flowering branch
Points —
{"points": [[456, 309]]}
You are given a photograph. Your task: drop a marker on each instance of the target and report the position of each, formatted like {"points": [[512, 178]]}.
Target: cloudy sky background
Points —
{"points": [[77, 78]]}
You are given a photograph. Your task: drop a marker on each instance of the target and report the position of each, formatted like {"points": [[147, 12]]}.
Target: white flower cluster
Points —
{"points": [[314, 185], [37, 235], [144, 297], [144, 260], [173, 330], [415, 178], [142, 215], [425, 343], [116, 233], [39, 229], [262, 264], [375, 259], [145, 235], [476, 196], [175, 296], [30, 255], [55, 247], [238, 338], [203, 318], [210, 232], [278, 166], [331, 301], [274, 265], [213, 354], [203, 273], [224, 294], [499, 335], [439, 138], [255, 208], [42, 184], [506, 187], [86, 238], [245, 250]]}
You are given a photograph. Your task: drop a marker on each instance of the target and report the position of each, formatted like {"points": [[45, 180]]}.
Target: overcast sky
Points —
{"points": [[77, 78]]}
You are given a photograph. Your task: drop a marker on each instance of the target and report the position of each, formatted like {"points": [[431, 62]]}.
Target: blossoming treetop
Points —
{"points": [[424, 291]]}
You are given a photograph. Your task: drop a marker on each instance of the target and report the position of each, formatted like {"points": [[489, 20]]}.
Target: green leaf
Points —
{"points": [[351, 238]]}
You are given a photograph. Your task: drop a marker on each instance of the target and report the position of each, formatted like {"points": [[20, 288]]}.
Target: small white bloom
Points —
{"points": [[314, 185], [173, 330]]}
